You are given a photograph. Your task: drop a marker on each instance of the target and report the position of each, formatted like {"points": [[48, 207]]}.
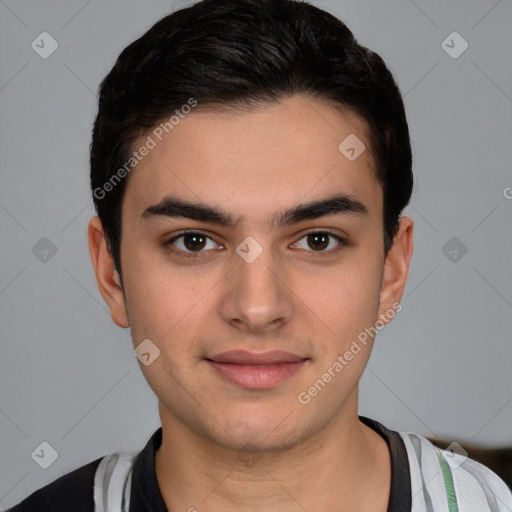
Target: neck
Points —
{"points": [[344, 467]]}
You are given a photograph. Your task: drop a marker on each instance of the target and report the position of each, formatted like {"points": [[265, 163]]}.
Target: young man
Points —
{"points": [[249, 165]]}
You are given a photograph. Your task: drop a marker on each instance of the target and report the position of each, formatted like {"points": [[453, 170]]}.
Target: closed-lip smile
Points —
{"points": [[253, 370]]}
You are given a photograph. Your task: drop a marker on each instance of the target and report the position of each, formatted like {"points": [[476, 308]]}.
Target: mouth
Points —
{"points": [[252, 370]]}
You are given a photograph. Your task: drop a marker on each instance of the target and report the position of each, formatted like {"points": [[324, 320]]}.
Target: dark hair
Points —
{"points": [[244, 54]]}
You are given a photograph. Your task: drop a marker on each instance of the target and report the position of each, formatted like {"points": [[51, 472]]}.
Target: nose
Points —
{"points": [[257, 297]]}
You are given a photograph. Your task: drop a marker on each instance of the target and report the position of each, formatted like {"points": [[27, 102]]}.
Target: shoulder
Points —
{"points": [[446, 476], [72, 491]]}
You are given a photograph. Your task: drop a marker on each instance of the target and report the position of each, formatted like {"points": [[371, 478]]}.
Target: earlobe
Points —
{"points": [[107, 278], [396, 269]]}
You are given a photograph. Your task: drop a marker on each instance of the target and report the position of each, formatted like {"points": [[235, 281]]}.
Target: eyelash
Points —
{"points": [[342, 242]]}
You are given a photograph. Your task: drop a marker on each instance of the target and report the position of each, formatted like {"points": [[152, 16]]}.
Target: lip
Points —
{"points": [[253, 370], [245, 357]]}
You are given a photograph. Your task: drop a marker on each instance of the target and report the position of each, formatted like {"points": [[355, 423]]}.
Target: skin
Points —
{"points": [[293, 297]]}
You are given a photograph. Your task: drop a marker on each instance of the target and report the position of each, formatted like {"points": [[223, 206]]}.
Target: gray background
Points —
{"points": [[68, 374]]}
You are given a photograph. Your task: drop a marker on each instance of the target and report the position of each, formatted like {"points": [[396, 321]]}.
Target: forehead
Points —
{"points": [[257, 162]]}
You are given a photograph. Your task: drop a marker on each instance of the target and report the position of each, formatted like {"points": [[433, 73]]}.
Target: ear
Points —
{"points": [[107, 276], [396, 268]]}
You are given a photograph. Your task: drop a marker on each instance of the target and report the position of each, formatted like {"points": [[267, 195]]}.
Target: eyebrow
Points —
{"points": [[172, 207]]}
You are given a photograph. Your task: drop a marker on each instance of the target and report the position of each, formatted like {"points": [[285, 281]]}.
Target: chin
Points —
{"points": [[257, 441], [259, 432]]}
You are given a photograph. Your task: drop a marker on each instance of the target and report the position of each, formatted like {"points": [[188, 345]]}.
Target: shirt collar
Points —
{"points": [[146, 496]]}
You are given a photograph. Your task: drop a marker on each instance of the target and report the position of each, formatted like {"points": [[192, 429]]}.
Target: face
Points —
{"points": [[286, 254]]}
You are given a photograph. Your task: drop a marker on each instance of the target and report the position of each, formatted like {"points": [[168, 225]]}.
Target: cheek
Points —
{"points": [[148, 293], [346, 299], [165, 304]]}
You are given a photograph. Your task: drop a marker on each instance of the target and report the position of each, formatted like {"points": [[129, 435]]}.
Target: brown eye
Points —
{"points": [[320, 240], [190, 244], [194, 241]]}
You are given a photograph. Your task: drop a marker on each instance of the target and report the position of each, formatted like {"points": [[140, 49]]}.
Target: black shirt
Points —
{"points": [[74, 491]]}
